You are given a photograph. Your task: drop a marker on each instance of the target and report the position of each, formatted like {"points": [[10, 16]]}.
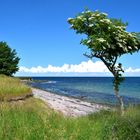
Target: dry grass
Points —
{"points": [[12, 87]]}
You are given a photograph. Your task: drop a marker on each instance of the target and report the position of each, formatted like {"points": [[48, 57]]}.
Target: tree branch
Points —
{"points": [[107, 64], [114, 62]]}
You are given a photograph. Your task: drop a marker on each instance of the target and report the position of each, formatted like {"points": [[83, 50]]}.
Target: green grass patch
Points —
{"points": [[12, 87], [33, 120]]}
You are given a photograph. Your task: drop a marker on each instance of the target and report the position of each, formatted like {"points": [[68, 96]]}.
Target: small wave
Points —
{"points": [[49, 82]]}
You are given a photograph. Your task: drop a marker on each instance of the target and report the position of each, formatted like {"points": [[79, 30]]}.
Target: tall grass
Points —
{"points": [[12, 87], [33, 120]]}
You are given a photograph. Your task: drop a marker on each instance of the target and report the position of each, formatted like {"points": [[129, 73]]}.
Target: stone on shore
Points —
{"points": [[67, 105]]}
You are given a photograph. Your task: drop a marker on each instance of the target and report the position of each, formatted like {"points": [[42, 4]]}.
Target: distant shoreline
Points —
{"points": [[30, 77]]}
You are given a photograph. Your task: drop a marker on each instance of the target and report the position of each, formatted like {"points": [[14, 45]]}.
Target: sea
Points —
{"points": [[91, 89]]}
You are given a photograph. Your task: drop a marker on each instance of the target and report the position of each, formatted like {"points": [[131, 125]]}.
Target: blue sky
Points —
{"points": [[39, 32]]}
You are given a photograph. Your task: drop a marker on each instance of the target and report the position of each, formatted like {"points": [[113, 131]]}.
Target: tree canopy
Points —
{"points": [[107, 39], [8, 60]]}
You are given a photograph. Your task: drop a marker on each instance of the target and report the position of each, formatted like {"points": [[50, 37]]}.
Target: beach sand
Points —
{"points": [[67, 105]]}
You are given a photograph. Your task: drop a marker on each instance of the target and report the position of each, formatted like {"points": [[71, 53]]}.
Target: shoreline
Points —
{"points": [[77, 98], [68, 106]]}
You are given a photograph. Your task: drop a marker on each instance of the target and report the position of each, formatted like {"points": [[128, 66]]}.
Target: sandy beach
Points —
{"points": [[67, 105]]}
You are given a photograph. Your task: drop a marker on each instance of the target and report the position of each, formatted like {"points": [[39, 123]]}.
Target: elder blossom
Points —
{"points": [[101, 40], [90, 25]]}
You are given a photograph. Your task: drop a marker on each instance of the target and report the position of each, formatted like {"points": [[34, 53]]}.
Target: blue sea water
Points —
{"points": [[92, 89]]}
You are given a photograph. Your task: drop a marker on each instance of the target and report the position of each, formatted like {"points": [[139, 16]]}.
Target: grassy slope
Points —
{"points": [[33, 120], [12, 87]]}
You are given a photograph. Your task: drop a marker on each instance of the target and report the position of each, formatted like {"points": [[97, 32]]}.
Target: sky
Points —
{"points": [[39, 32]]}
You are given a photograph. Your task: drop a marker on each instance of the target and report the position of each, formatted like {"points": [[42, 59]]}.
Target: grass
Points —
{"points": [[32, 119], [12, 87]]}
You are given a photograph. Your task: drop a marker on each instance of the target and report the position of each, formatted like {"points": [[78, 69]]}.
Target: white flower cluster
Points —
{"points": [[119, 27], [70, 19], [105, 21], [79, 17], [130, 35], [89, 41], [97, 15], [91, 18], [105, 14], [87, 11], [101, 40], [90, 25]]}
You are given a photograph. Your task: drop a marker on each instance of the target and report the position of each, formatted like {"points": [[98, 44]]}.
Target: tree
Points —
{"points": [[8, 60], [107, 39]]}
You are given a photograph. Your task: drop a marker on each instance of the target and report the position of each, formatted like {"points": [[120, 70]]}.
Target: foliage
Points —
{"points": [[8, 60], [33, 120], [106, 37], [12, 87], [107, 40]]}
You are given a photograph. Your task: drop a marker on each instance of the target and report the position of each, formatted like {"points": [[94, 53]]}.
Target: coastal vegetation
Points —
{"points": [[107, 40], [8, 60], [12, 88], [32, 119]]}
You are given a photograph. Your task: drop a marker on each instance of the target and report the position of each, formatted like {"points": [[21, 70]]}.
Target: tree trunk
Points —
{"points": [[120, 101], [116, 71]]}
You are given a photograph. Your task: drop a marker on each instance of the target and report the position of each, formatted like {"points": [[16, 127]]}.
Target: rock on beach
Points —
{"points": [[67, 105]]}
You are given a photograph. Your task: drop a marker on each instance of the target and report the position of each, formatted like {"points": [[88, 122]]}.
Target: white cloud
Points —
{"points": [[83, 67], [131, 70]]}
